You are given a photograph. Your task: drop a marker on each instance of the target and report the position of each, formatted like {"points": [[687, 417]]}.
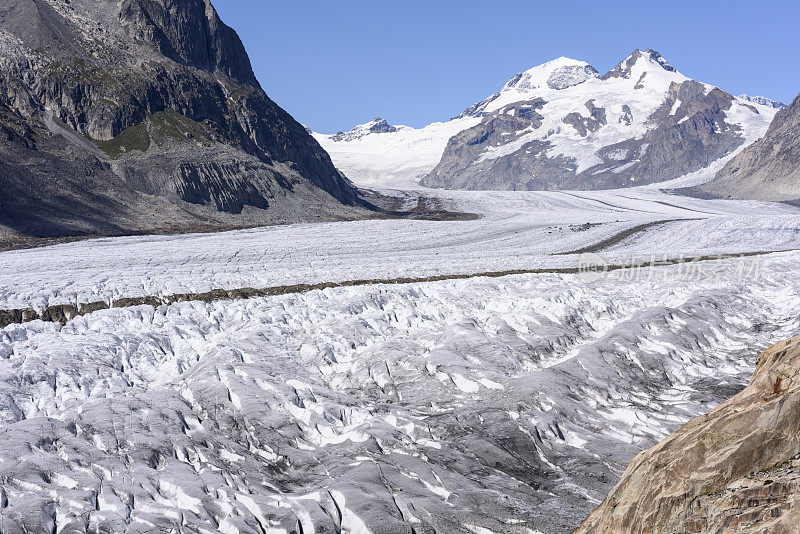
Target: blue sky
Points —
{"points": [[337, 64]]}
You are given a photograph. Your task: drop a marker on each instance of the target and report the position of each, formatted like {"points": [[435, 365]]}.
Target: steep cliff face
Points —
{"points": [[145, 96], [212, 47], [770, 168], [736, 469]]}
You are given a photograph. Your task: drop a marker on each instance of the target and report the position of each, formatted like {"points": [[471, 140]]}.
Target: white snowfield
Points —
{"points": [[400, 159], [499, 405], [397, 159]]}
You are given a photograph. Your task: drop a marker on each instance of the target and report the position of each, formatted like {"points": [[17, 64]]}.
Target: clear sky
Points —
{"points": [[335, 64]]}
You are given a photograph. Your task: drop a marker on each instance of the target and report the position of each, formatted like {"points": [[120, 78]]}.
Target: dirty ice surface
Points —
{"points": [[487, 405]]}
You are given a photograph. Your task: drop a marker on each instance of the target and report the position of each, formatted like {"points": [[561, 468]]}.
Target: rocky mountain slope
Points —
{"points": [[770, 168], [145, 115], [563, 125], [736, 469]]}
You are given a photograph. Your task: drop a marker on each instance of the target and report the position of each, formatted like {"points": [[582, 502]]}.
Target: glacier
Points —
{"points": [[506, 404]]}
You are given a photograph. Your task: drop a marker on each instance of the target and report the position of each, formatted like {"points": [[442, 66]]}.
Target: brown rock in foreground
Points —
{"points": [[734, 469]]}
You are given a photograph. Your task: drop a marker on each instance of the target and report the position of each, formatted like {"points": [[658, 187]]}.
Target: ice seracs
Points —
{"points": [[557, 74], [764, 101], [570, 75]]}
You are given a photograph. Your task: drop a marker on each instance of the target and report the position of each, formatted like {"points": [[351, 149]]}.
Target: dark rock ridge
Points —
{"points": [[213, 46], [734, 470], [623, 68], [477, 110], [769, 169], [585, 125], [684, 130], [145, 115]]}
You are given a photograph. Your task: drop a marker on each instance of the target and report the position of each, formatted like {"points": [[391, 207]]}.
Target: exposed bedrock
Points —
{"points": [[736, 469]]}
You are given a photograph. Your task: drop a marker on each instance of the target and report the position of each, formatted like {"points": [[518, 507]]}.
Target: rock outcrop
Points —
{"points": [[736, 469], [770, 168], [145, 115]]}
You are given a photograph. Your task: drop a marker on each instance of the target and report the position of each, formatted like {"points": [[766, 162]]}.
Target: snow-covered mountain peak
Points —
{"points": [[562, 124], [570, 79], [656, 57], [376, 125], [559, 73], [764, 101], [640, 62]]}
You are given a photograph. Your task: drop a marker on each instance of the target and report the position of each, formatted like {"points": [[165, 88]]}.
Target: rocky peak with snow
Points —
{"points": [[557, 74], [376, 125], [641, 122], [642, 61]]}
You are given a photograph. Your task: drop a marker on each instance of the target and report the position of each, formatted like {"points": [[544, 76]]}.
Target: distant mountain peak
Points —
{"points": [[656, 56], [652, 58], [562, 125], [559, 73], [376, 125]]}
